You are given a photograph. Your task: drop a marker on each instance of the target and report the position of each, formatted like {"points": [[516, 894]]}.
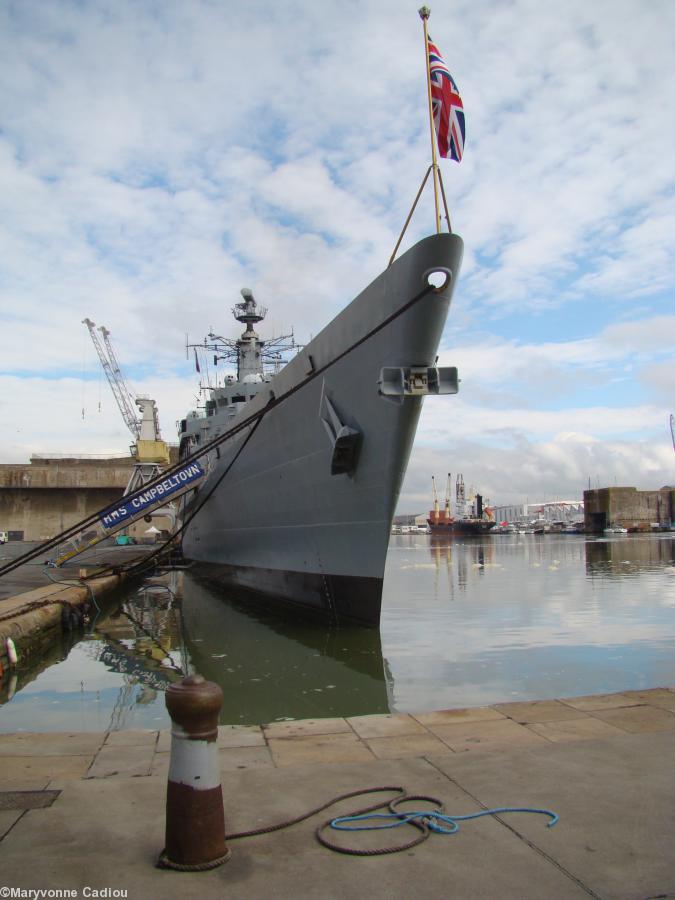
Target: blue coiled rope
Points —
{"points": [[422, 822], [431, 819]]}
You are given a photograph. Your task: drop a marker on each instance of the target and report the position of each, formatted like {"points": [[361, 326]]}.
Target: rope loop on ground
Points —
{"points": [[426, 821], [435, 820]]}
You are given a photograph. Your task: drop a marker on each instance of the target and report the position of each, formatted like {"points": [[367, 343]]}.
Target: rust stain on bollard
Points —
{"points": [[195, 821]]}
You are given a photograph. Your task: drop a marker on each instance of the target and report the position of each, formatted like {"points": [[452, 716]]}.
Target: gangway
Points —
{"points": [[134, 506]]}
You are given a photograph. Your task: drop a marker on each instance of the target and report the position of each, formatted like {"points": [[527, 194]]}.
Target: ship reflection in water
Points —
{"points": [[466, 622], [113, 676], [271, 668], [479, 620]]}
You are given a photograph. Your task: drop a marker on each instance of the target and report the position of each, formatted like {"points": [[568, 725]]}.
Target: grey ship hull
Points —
{"points": [[279, 525]]}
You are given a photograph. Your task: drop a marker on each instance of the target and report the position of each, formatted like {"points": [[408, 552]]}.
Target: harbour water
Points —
{"points": [[464, 623]]}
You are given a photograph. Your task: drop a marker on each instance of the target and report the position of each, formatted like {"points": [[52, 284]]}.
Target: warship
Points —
{"points": [[297, 505]]}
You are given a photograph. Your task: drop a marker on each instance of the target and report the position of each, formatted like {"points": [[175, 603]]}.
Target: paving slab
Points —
{"points": [[327, 748], [34, 782], [392, 725], [134, 760], [598, 701], [537, 711], [240, 736], [24, 769], [575, 729], [663, 697], [406, 745], [638, 718], [131, 739], [237, 758], [453, 716], [615, 799], [306, 727], [485, 735], [32, 744]]}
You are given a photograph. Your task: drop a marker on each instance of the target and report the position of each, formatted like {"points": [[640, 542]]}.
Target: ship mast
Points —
{"points": [[253, 357], [249, 344]]}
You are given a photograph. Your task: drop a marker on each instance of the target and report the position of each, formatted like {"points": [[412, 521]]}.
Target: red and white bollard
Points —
{"points": [[195, 822]]}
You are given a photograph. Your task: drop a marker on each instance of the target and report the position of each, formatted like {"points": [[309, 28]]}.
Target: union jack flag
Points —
{"points": [[447, 107]]}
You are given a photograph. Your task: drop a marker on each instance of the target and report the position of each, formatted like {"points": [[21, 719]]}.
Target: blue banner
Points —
{"points": [[137, 503]]}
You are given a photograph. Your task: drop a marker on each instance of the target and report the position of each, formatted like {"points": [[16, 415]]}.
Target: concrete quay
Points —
{"points": [[603, 763]]}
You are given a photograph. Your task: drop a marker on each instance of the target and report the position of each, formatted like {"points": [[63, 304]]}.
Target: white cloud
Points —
{"points": [[154, 159], [537, 471]]}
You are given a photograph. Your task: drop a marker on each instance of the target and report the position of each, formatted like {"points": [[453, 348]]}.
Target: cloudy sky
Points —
{"points": [[157, 156]]}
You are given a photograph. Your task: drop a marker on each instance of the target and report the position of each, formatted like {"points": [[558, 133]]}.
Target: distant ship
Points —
{"points": [[297, 505], [471, 518]]}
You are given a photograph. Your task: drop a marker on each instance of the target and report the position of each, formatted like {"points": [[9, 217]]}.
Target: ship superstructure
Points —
{"points": [[256, 362]]}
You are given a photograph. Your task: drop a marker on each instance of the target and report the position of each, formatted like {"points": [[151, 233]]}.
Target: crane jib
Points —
{"points": [[136, 504]]}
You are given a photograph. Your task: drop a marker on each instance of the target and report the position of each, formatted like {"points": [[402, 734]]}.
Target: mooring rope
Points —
{"points": [[426, 821]]}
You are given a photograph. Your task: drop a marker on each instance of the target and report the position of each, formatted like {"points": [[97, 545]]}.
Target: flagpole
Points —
{"points": [[424, 14]]}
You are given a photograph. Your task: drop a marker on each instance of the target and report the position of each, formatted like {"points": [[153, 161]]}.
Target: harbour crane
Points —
{"points": [[150, 452], [114, 377], [437, 511], [447, 498]]}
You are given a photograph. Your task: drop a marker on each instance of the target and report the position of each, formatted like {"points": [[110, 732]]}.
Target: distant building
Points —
{"points": [[566, 511], [409, 519], [629, 508]]}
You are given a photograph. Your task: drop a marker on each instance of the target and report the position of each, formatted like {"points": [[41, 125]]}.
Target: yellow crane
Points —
{"points": [[437, 510], [149, 449]]}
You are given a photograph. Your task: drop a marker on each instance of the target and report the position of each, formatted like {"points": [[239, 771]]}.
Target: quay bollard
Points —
{"points": [[195, 821]]}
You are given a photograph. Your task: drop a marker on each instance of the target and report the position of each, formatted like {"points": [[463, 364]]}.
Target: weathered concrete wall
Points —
{"points": [[67, 473], [628, 507], [43, 512], [47, 495]]}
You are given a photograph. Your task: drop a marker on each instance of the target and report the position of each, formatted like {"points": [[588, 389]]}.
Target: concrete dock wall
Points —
{"points": [[628, 507], [67, 473], [46, 496], [40, 513]]}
